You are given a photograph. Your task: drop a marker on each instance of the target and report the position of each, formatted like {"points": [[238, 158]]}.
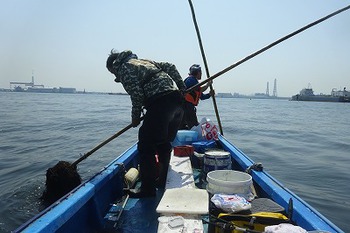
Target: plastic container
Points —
{"points": [[216, 160], [183, 151], [203, 146], [185, 137], [229, 182]]}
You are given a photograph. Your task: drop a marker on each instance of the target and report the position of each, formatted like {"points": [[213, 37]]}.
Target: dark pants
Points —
{"points": [[158, 130], [190, 116]]}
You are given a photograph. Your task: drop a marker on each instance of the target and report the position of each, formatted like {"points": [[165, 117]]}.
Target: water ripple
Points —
{"points": [[302, 144]]}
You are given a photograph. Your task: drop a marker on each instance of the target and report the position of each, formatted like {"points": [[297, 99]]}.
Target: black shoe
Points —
{"points": [[141, 194]]}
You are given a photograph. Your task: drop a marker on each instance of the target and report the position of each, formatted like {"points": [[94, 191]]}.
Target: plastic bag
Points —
{"points": [[206, 129], [284, 227], [230, 203]]}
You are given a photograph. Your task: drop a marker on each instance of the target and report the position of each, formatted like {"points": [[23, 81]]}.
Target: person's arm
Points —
{"points": [[207, 96], [204, 96], [132, 86], [204, 88], [171, 70]]}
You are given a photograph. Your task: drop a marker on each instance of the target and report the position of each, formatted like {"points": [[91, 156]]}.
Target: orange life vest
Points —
{"points": [[193, 96]]}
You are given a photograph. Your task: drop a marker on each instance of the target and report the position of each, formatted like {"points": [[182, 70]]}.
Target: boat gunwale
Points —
{"points": [[304, 214], [71, 203], [280, 194]]}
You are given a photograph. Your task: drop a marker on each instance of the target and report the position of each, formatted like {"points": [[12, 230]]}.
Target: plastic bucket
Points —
{"points": [[229, 182], [216, 160]]}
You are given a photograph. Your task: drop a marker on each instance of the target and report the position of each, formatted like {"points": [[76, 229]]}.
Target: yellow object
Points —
{"points": [[257, 221], [131, 177]]}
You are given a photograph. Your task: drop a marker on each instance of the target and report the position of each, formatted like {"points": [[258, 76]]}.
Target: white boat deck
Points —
{"points": [[182, 204]]}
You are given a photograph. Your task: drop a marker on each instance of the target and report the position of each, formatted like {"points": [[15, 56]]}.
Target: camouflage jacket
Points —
{"points": [[143, 79]]}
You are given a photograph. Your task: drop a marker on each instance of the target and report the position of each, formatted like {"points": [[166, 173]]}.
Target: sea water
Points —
{"points": [[304, 145]]}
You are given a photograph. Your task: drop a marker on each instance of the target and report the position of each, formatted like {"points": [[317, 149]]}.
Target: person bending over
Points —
{"points": [[157, 87]]}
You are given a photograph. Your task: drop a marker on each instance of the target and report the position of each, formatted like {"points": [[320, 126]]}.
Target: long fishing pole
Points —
{"points": [[205, 65], [268, 47], [63, 177], [117, 134], [74, 164]]}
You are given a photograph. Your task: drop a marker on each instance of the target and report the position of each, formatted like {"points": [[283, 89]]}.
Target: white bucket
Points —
{"points": [[229, 182], [216, 160]]}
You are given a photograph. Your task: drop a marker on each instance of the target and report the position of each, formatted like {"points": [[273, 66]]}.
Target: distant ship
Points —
{"points": [[307, 94], [45, 89], [32, 87]]}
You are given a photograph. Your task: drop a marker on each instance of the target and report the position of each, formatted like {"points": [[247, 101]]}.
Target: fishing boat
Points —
{"points": [[101, 205], [307, 94], [202, 192]]}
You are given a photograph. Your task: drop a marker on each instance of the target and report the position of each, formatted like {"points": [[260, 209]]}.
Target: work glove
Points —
{"points": [[135, 122], [212, 92]]}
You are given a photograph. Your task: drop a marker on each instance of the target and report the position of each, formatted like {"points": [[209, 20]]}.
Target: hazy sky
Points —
{"points": [[66, 43]]}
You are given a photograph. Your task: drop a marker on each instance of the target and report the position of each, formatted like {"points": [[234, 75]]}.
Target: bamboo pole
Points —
{"points": [[268, 47], [74, 164], [205, 65]]}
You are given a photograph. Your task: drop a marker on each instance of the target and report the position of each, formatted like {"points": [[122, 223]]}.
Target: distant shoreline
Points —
{"points": [[122, 93], [58, 92]]}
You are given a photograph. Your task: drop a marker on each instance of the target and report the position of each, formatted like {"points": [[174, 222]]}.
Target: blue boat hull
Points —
{"points": [[84, 209]]}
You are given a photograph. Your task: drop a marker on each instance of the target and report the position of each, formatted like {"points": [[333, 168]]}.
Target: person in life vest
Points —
{"points": [[192, 98], [157, 87]]}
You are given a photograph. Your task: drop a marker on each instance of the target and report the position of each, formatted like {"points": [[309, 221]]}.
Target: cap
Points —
{"points": [[115, 59], [195, 69]]}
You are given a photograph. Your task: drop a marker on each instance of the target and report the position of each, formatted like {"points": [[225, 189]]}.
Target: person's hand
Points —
{"points": [[210, 82], [212, 92], [135, 122]]}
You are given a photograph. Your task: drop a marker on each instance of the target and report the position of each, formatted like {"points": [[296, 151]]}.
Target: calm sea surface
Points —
{"points": [[305, 145]]}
